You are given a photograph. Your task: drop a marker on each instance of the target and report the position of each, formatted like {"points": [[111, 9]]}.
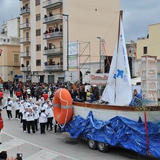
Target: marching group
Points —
{"points": [[30, 114]]}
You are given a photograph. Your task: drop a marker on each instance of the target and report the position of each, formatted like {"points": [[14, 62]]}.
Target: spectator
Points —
{"points": [[22, 65], [94, 96], [56, 29], [1, 124], [1, 96]]}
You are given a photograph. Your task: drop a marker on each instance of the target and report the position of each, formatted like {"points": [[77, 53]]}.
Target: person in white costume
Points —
{"points": [[36, 115], [42, 120], [49, 112], [21, 109], [16, 105], [8, 106], [30, 120]]}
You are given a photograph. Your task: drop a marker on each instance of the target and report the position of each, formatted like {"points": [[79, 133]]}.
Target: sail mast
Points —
{"points": [[119, 24]]}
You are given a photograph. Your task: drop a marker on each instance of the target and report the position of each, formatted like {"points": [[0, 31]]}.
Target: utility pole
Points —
{"points": [[100, 53]]}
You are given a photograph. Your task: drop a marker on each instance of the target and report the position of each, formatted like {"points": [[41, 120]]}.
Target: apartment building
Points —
{"points": [[9, 59], [11, 28], [47, 26], [10, 47], [149, 45]]}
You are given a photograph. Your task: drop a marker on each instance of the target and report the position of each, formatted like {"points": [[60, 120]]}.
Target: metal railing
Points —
{"points": [[57, 17], [51, 3], [54, 51], [24, 25], [25, 54], [53, 35], [25, 11], [25, 69], [53, 67], [25, 40]]}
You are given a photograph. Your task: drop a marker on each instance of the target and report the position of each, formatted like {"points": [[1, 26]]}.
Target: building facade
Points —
{"points": [[150, 44], [9, 59], [11, 28], [10, 48], [48, 26]]}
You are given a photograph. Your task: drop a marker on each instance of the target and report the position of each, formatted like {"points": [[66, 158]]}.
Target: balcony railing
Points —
{"points": [[53, 35], [52, 4], [23, 0], [25, 26], [53, 52], [54, 18], [53, 68], [25, 54], [25, 69], [25, 40], [25, 11]]}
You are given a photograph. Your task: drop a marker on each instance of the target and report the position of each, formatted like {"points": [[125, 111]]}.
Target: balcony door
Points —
{"points": [[50, 78]]}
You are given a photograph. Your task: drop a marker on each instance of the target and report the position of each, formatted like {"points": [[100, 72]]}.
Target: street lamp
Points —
{"points": [[66, 15], [99, 52]]}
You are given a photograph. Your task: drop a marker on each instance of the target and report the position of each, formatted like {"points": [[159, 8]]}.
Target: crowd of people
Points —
{"points": [[33, 104]]}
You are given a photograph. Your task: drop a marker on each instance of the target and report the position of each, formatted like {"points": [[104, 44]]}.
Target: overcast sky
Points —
{"points": [[137, 15]]}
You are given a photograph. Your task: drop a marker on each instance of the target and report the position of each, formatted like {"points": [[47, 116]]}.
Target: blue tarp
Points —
{"points": [[118, 131]]}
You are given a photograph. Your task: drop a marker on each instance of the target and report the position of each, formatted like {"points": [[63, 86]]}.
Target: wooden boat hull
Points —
{"points": [[106, 112]]}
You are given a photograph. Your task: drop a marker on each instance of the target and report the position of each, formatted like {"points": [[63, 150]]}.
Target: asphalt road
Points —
{"points": [[53, 146]]}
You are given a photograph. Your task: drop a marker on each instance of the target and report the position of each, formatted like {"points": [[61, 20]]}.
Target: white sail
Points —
{"points": [[123, 78], [119, 90], [110, 90]]}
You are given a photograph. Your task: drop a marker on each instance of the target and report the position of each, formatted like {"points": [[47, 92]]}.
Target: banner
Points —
{"points": [[73, 56]]}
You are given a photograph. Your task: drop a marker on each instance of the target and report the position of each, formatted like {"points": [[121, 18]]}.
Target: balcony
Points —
{"points": [[24, 26], [53, 52], [23, 0], [25, 69], [53, 35], [25, 11], [25, 54], [52, 4], [53, 68], [25, 40], [54, 18]]}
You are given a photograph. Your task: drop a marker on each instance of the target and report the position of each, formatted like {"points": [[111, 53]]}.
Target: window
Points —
{"points": [[27, 63], [4, 40], [61, 28], [27, 34], [144, 50], [37, 2], [27, 49], [38, 17], [26, 5], [16, 58], [61, 61], [38, 47], [61, 44], [38, 62], [27, 20], [38, 32], [8, 40]]}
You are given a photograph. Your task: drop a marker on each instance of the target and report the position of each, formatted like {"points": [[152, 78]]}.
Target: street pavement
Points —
{"points": [[53, 146]]}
